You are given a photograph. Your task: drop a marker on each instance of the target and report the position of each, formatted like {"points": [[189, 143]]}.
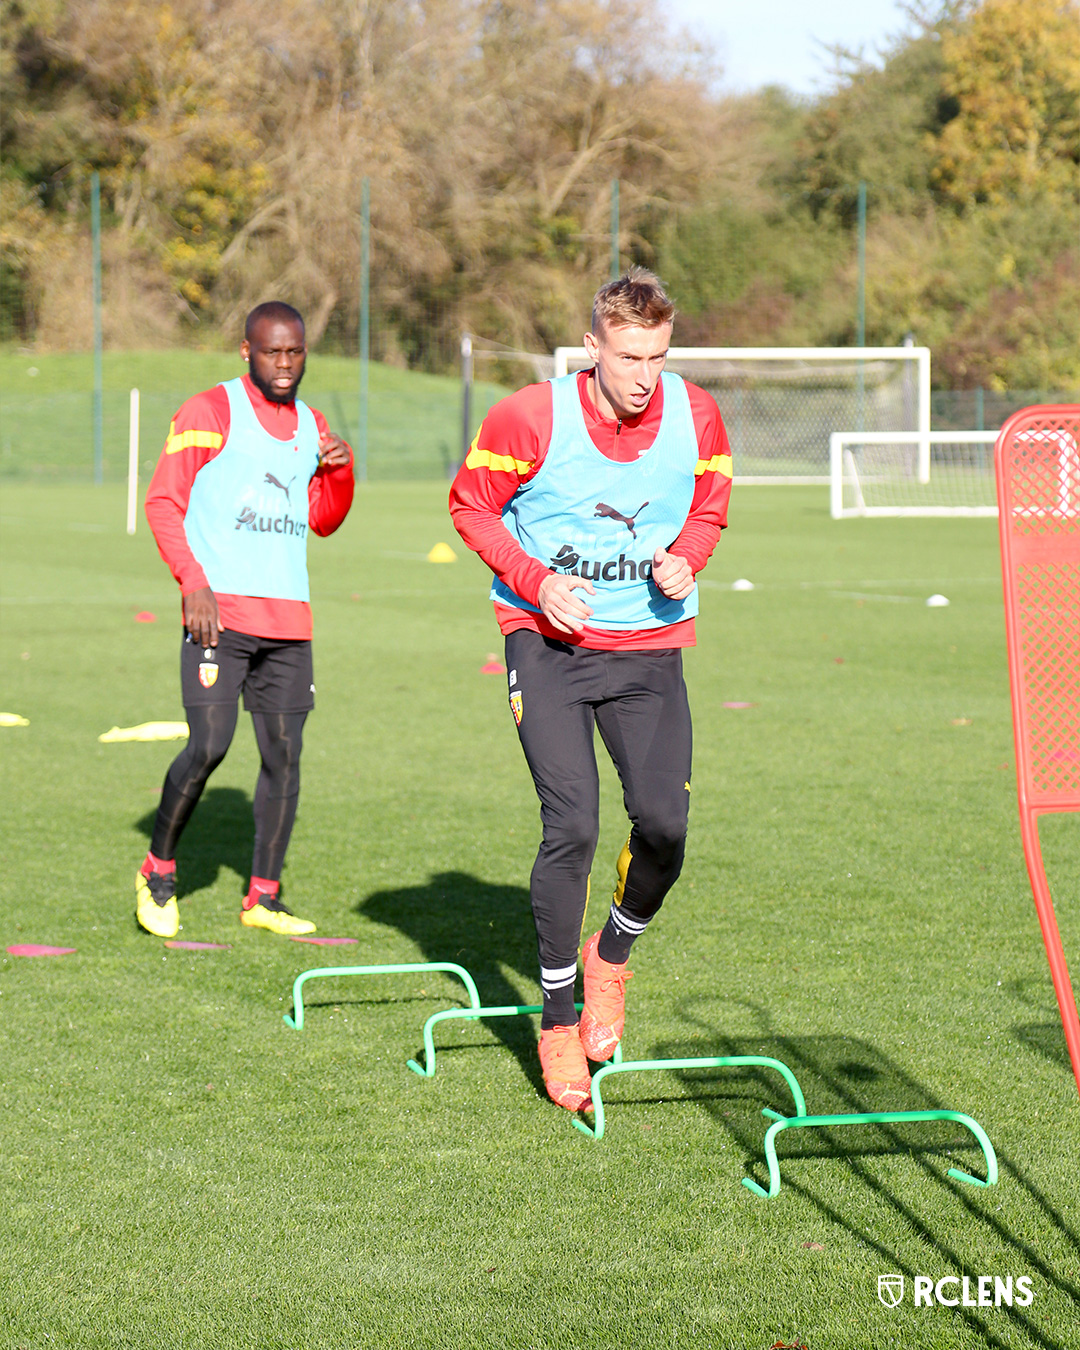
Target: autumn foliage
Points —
{"points": [[232, 140]]}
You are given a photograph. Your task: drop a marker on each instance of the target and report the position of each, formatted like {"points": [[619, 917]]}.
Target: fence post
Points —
{"points": [[466, 393], [365, 329], [616, 263], [95, 232]]}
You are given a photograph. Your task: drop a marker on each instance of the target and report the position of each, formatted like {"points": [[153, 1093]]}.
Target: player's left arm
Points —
{"points": [[330, 492], [675, 568]]}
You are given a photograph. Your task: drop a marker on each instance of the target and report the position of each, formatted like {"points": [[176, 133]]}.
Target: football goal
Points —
{"points": [[781, 404], [943, 473]]}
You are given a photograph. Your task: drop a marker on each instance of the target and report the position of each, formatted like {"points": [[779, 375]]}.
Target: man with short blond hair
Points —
{"points": [[596, 499], [635, 300]]}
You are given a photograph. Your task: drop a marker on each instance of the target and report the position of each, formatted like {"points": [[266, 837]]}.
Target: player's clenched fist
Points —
{"points": [[672, 574], [560, 606], [334, 453]]}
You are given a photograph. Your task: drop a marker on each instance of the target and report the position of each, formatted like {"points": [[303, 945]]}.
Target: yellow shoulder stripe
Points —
{"points": [[186, 440], [718, 464], [487, 459]]}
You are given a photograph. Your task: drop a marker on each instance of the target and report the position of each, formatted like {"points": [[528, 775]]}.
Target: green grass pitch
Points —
{"points": [[180, 1169]]}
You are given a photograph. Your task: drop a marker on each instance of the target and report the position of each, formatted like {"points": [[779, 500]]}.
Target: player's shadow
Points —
{"points": [[484, 927], [220, 834], [842, 1075]]}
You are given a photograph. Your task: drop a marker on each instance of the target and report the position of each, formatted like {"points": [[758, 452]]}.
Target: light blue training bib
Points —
{"points": [[247, 517], [589, 516]]}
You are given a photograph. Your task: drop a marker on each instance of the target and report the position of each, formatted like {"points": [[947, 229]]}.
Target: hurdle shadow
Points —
{"points": [[219, 836], [1043, 1033], [842, 1075], [488, 929], [1046, 1039]]}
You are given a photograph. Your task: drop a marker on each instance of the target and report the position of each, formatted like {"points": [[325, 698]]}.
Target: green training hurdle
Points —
{"points": [[869, 1118], [427, 1069], [296, 1018], [596, 1130]]}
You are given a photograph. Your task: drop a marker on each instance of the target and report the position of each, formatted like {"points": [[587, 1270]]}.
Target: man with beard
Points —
{"points": [[246, 469]]}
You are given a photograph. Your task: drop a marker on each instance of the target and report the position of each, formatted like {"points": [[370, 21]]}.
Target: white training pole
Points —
{"points": [[836, 475], [133, 461], [924, 413]]}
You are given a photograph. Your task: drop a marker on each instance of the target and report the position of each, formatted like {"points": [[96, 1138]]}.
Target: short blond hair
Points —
{"points": [[637, 299]]}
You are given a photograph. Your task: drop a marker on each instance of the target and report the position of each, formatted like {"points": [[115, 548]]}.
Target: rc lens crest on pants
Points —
{"points": [[208, 673], [516, 705]]}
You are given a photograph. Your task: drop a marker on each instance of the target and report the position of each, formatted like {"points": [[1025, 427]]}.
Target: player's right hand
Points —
{"points": [[201, 616], [560, 606]]}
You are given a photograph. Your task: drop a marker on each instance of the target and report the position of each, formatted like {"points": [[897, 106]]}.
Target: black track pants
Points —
{"points": [[638, 701]]}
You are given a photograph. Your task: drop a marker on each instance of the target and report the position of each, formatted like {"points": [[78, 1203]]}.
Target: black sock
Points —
{"points": [[618, 936], [558, 990]]}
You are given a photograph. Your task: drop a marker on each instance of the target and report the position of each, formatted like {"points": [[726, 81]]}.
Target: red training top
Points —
{"points": [[197, 435], [509, 449]]}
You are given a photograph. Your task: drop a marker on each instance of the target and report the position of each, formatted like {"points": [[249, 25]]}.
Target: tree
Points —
{"points": [[1014, 70]]}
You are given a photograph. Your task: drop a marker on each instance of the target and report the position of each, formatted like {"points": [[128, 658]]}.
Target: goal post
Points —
{"points": [[780, 404], [944, 473]]}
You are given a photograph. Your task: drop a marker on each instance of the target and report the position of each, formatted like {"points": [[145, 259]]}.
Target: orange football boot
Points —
{"points": [[605, 1003], [566, 1074]]}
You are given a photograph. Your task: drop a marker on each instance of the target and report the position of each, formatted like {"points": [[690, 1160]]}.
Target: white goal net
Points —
{"points": [[945, 473], [781, 404]]}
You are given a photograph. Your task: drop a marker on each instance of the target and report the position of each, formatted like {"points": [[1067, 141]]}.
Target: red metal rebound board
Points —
{"points": [[1037, 463]]}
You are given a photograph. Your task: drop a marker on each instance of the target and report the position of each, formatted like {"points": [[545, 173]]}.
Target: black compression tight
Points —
{"points": [[210, 733], [280, 739]]}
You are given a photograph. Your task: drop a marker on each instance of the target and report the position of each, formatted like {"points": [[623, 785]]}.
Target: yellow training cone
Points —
{"points": [[13, 720], [442, 553], [146, 731]]}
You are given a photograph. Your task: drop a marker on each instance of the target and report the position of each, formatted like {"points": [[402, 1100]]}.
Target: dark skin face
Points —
{"points": [[275, 353]]}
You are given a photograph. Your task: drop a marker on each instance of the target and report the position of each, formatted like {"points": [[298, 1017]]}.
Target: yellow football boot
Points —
{"points": [[271, 913], [155, 903]]}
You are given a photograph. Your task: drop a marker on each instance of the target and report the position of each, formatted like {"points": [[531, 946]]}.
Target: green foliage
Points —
{"points": [[742, 278], [878, 128], [1014, 71], [986, 278], [231, 155]]}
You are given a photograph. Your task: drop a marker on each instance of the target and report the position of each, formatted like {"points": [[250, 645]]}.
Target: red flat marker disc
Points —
{"points": [[327, 942], [739, 705], [144, 616], [199, 946], [492, 668], [33, 949]]}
